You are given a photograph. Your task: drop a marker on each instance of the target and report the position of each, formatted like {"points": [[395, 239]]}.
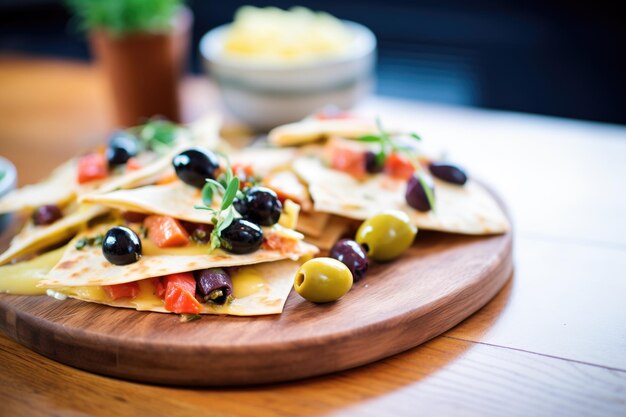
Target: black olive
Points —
{"points": [[241, 236], [213, 284], [416, 195], [122, 147], [47, 214], [448, 172], [371, 163], [352, 255], [260, 205], [195, 165], [121, 246]]}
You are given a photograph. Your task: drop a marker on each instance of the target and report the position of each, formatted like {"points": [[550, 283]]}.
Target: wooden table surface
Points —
{"points": [[552, 342]]}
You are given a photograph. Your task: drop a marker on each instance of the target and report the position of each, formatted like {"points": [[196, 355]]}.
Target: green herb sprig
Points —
{"points": [[386, 143], [228, 187], [157, 134], [89, 241]]}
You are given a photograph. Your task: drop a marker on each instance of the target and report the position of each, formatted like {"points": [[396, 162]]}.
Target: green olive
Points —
{"points": [[322, 280], [386, 235]]}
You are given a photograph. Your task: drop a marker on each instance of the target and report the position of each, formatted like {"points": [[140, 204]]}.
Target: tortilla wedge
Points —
{"points": [[175, 199], [312, 130], [87, 266], [467, 209], [261, 280], [258, 290], [33, 238], [52, 190]]}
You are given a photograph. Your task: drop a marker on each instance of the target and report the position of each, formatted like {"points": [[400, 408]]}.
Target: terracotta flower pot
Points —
{"points": [[143, 70]]}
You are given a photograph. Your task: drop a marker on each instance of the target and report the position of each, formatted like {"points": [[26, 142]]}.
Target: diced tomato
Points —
{"points": [[159, 287], [133, 165], [287, 186], [185, 280], [399, 166], [349, 160], [278, 242], [91, 167], [166, 231], [243, 170], [127, 290], [180, 290], [180, 301]]}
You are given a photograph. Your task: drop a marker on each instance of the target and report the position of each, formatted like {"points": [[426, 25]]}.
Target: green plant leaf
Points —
{"points": [[380, 158], [383, 135], [121, 17], [218, 185], [415, 136], [226, 221], [207, 194], [230, 193], [199, 207], [229, 172], [369, 138]]}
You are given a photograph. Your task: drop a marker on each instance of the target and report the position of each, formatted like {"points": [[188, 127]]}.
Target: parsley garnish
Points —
{"points": [[228, 187], [385, 142]]}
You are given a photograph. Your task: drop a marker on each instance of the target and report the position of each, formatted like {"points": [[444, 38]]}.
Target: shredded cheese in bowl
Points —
{"points": [[282, 36]]}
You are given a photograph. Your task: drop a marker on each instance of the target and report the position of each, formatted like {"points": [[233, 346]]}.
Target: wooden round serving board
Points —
{"points": [[439, 282]]}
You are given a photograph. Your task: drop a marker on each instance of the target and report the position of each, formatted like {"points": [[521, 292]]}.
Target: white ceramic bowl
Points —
{"points": [[265, 95], [7, 183]]}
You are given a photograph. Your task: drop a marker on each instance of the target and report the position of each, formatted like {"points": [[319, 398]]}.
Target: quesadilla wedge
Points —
{"points": [[313, 129], [467, 210], [259, 289], [357, 173], [52, 190], [93, 173], [261, 280], [33, 238]]}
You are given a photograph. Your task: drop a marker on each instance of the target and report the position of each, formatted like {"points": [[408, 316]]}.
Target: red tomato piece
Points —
{"points": [[180, 290], [185, 280], [277, 242], [349, 160], [165, 231], [127, 290], [399, 166], [159, 287], [92, 167]]}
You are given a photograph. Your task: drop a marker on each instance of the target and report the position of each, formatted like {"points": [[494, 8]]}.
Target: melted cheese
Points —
{"points": [[247, 281], [22, 278]]}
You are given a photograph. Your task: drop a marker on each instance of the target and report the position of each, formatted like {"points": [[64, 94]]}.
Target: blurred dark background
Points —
{"points": [[550, 57]]}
